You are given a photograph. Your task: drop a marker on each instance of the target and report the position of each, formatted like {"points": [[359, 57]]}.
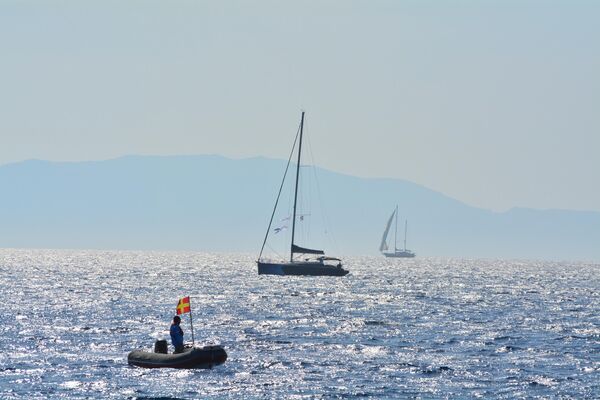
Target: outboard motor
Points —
{"points": [[161, 347]]}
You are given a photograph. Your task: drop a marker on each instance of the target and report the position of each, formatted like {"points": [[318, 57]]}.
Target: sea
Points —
{"points": [[423, 328]]}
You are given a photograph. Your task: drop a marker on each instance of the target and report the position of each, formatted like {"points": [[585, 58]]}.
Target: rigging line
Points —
{"points": [[309, 207], [274, 251], [303, 206], [327, 224], [307, 195], [279, 193]]}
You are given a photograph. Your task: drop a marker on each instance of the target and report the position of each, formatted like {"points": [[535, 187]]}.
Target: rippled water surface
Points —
{"points": [[424, 328]]}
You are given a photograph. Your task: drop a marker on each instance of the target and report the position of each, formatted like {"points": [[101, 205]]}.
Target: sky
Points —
{"points": [[494, 103]]}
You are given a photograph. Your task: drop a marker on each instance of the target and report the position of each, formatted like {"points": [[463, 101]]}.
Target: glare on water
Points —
{"points": [[432, 328]]}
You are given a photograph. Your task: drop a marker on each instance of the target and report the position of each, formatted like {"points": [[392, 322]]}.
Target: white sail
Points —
{"points": [[383, 246]]}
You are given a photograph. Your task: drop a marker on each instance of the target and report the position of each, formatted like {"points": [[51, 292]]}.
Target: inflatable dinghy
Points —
{"points": [[191, 357]]}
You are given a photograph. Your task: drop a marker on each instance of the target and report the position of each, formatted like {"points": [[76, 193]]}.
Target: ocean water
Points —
{"points": [[421, 328]]}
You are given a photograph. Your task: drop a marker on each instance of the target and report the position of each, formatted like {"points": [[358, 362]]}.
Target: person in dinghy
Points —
{"points": [[176, 335]]}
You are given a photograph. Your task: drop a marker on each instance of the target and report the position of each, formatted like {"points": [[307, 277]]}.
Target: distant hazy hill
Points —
{"points": [[217, 204]]}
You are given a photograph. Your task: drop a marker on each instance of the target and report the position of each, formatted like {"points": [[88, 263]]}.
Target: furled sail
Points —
{"points": [[303, 250], [383, 246]]}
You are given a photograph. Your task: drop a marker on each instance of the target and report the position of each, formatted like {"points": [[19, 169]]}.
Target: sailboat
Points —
{"points": [[383, 247], [298, 264]]}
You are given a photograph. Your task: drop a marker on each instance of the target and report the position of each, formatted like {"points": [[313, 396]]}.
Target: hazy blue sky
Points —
{"points": [[495, 103]]}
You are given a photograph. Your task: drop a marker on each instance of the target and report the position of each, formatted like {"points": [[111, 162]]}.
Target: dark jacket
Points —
{"points": [[176, 336]]}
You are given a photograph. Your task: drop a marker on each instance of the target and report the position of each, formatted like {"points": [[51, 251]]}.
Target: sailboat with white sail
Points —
{"points": [[300, 261], [383, 247]]}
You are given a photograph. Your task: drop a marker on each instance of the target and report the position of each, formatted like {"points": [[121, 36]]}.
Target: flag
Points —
{"points": [[184, 305], [280, 228]]}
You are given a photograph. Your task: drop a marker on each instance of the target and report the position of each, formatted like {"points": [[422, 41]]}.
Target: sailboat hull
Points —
{"points": [[400, 254], [301, 268]]}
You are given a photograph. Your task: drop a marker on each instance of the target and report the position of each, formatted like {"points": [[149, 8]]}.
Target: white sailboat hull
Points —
{"points": [[400, 254]]}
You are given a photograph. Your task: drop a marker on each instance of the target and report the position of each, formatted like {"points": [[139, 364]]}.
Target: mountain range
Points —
{"points": [[213, 203]]}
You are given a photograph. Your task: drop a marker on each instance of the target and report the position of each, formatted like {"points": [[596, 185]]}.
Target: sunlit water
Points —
{"points": [[424, 328]]}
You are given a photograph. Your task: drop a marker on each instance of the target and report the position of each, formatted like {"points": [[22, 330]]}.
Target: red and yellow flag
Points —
{"points": [[184, 305]]}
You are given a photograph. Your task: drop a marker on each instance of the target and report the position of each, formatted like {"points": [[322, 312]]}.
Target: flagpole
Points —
{"points": [[191, 323]]}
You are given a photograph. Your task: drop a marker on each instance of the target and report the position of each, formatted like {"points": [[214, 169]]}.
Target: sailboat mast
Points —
{"points": [[405, 229], [296, 190], [396, 234]]}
